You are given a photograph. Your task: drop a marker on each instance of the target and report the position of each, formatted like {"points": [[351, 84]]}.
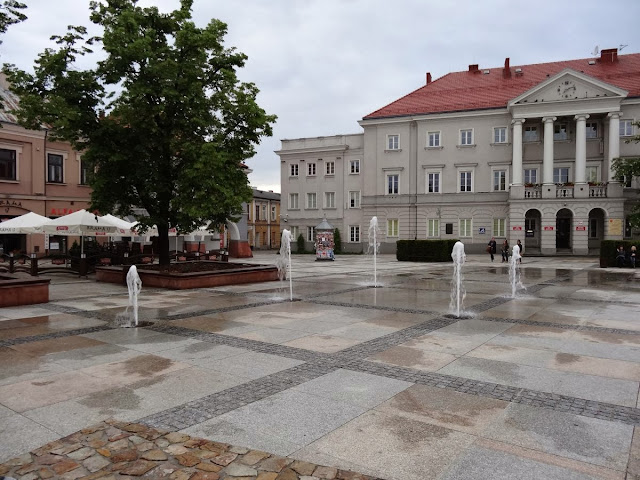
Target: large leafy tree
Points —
{"points": [[629, 167], [10, 14], [163, 121]]}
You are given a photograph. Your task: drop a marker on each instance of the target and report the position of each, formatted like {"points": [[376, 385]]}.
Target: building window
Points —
{"points": [[293, 170], [331, 168], [433, 139], [433, 182], [273, 213], [8, 164], [499, 180], [393, 142], [626, 128], [465, 181], [54, 168], [593, 228], [466, 137], [627, 227], [626, 181], [84, 179], [530, 134], [499, 227], [257, 217], [433, 227], [592, 174], [560, 132], [500, 135], [312, 201], [530, 224], [354, 233], [592, 129], [465, 227], [393, 184], [264, 213], [354, 167], [330, 200], [295, 233], [530, 175], [311, 169], [561, 175], [311, 234], [392, 227], [293, 201], [354, 199]]}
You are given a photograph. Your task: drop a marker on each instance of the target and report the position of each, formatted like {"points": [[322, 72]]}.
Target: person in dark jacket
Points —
{"points": [[621, 257], [491, 247], [519, 243], [505, 251]]}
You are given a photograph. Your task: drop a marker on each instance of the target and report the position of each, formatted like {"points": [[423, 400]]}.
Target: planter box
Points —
{"points": [[237, 274], [15, 291]]}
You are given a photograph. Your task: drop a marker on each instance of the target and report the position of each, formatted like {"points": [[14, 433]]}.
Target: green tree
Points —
{"points": [[300, 244], [629, 167], [10, 14], [337, 241], [163, 123]]}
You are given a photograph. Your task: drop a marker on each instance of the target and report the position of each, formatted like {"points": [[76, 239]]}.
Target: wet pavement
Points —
{"points": [[346, 378]]}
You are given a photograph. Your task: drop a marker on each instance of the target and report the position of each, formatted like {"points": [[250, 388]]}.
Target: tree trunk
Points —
{"points": [[163, 244]]}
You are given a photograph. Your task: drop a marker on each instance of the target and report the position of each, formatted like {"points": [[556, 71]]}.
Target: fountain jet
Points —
{"points": [[458, 292]]}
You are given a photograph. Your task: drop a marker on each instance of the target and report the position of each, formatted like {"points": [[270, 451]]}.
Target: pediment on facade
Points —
{"points": [[568, 85]]}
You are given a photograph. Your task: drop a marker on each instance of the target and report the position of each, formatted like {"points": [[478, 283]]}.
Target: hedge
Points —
{"points": [[608, 250], [424, 250]]}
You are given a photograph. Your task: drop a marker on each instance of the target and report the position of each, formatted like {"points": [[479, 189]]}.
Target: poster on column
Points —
{"points": [[615, 226]]}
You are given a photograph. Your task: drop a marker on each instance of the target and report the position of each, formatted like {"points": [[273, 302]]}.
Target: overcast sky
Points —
{"points": [[321, 65]]}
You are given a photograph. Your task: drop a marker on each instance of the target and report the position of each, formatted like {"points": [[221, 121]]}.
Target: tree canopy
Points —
{"points": [[10, 14], [163, 122], [629, 167]]}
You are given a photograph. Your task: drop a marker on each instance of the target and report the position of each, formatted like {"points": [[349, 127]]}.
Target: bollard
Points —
{"points": [[34, 265], [83, 265], [11, 263]]}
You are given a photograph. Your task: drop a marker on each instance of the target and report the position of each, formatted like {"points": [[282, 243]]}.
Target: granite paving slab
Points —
{"points": [[12, 444], [248, 365]]}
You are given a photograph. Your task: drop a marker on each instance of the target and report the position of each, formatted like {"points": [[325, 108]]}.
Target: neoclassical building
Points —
{"points": [[516, 152]]}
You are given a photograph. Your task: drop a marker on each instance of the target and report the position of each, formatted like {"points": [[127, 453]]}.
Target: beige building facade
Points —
{"points": [[518, 153]]}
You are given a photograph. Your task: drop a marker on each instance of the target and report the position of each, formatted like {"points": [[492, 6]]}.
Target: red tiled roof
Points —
{"points": [[466, 90]]}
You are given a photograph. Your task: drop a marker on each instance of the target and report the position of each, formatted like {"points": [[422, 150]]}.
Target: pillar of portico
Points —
{"points": [[516, 173], [547, 158], [581, 148], [614, 142]]}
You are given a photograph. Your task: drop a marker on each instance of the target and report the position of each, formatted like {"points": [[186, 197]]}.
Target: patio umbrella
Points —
{"points": [[81, 223], [27, 223], [124, 227]]}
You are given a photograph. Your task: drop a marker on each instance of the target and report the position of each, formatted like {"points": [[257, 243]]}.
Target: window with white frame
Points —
{"points": [[273, 213], [354, 199], [393, 184], [392, 227], [433, 139], [626, 128], [466, 181], [311, 169], [499, 227], [329, 199], [264, 213], [433, 227], [530, 134], [591, 174], [433, 182], [330, 168], [393, 142], [312, 200], [84, 172], [311, 234], [466, 137], [354, 167], [500, 135], [295, 233], [531, 175], [293, 170], [354, 233], [499, 180], [592, 129], [293, 201], [593, 228], [465, 227], [561, 175], [8, 164], [560, 132], [55, 173]]}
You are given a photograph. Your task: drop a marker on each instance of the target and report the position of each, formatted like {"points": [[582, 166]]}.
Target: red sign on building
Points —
{"points": [[548, 228], [517, 228], [581, 228]]}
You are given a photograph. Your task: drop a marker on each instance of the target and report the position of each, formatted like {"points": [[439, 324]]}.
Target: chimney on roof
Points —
{"points": [[473, 67], [506, 73], [428, 78], [608, 55]]}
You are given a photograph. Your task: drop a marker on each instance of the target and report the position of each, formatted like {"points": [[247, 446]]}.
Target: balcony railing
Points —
{"points": [[565, 191], [533, 192], [597, 191]]}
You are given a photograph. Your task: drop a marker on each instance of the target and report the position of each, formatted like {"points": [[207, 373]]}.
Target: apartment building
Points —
{"points": [[515, 152], [263, 222]]}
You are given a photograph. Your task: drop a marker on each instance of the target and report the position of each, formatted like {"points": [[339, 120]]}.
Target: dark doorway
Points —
{"points": [[563, 229], [532, 222]]}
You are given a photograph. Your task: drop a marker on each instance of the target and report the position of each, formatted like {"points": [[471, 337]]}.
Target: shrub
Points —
{"points": [[608, 250], [425, 250], [300, 244], [337, 241]]}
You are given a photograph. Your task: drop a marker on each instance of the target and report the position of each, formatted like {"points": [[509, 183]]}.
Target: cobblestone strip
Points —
{"points": [[180, 316], [49, 336], [247, 344], [586, 328], [205, 408], [60, 308], [375, 307]]}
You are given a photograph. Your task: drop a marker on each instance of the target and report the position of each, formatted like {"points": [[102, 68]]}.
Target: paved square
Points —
{"points": [[376, 380]]}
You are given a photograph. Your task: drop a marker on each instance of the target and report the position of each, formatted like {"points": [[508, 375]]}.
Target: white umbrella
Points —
{"points": [[124, 227], [81, 223], [27, 223]]}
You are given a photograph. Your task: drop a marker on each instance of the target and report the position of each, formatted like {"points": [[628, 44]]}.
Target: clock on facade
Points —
{"points": [[567, 89]]}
